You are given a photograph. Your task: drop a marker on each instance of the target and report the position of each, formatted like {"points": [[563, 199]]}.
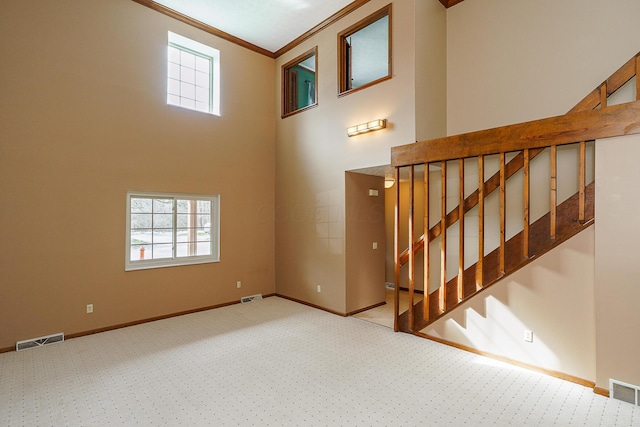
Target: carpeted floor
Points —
{"points": [[278, 363]]}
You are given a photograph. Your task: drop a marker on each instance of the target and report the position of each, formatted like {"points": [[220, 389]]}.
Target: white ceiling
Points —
{"points": [[269, 24]]}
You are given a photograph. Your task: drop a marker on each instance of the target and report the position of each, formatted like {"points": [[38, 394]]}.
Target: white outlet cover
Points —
{"points": [[528, 336]]}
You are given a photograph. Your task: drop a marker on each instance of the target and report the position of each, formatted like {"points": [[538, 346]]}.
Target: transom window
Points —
{"points": [[171, 229], [193, 77], [364, 52]]}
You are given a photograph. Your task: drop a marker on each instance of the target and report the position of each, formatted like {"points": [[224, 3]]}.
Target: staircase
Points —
{"points": [[512, 157]]}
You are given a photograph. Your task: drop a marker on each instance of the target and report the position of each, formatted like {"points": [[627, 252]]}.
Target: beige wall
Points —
{"points": [[552, 297], [313, 152], [616, 279], [83, 119], [510, 61], [364, 226]]}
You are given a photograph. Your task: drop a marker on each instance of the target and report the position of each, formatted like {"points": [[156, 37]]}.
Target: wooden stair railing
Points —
{"points": [[589, 120]]}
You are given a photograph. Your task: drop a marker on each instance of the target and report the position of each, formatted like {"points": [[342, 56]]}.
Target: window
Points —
{"points": [[299, 83], [193, 77], [364, 52], [166, 230]]}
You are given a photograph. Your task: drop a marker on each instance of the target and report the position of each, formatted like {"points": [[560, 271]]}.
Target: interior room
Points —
{"points": [[238, 168]]}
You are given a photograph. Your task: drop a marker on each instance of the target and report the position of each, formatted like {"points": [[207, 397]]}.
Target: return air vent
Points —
{"points": [[625, 392], [250, 298], [39, 342]]}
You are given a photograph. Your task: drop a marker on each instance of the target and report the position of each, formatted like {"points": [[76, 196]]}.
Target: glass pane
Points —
{"points": [[182, 249], [202, 94], [173, 87], [203, 79], [187, 59], [174, 71], [204, 248], [188, 75], [369, 52], [300, 84], [159, 251], [141, 205], [162, 205], [174, 55], [188, 103], [182, 206], [203, 64], [204, 206], [203, 237], [202, 106], [187, 90], [182, 220], [162, 221], [182, 235], [173, 99], [140, 221]]}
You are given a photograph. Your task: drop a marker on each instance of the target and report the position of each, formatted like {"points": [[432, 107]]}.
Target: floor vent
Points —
{"points": [[39, 342], [626, 392], [389, 285], [250, 298]]}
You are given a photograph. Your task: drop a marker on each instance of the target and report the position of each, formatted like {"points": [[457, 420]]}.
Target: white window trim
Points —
{"points": [[193, 45], [176, 261]]}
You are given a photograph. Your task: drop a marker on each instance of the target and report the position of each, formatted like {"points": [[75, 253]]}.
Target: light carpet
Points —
{"points": [[278, 363]]}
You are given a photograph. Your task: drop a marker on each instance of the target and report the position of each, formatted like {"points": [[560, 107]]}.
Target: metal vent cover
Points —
{"points": [[39, 342], [250, 298], [626, 392]]}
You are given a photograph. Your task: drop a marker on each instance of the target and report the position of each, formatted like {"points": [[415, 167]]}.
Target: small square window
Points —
{"points": [[193, 75]]}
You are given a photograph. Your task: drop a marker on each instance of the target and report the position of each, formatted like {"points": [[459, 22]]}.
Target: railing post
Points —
{"points": [[412, 251], [461, 230], [426, 253], [396, 253], [443, 241], [479, 265], [527, 204], [553, 192], [503, 217]]}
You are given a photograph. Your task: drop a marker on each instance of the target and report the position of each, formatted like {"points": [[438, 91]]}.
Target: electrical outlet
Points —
{"points": [[89, 308], [238, 284], [375, 245], [318, 288], [528, 336]]}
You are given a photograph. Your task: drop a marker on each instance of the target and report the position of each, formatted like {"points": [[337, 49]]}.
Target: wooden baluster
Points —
{"points": [[461, 230], [503, 217], [412, 252], [553, 192], [396, 253], [479, 265], [443, 242], [527, 204], [425, 252], [603, 95], [582, 181]]}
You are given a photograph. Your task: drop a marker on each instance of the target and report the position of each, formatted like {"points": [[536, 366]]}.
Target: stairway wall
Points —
{"points": [[552, 296]]}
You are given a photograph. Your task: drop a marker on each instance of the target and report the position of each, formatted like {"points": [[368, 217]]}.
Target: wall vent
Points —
{"points": [[626, 392], [389, 285], [250, 298], [39, 342]]}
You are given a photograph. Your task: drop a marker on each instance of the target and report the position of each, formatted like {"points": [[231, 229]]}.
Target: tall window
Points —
{"points": [[364, 52], [193, 77], [299, 83], [166, 230]]}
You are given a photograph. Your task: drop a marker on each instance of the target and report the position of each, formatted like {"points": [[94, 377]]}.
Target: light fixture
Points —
{"points": [[389, 181], [367, 127]]}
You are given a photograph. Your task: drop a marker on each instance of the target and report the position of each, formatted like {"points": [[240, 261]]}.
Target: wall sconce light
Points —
{"points": [[389, 181], [367, 127]]}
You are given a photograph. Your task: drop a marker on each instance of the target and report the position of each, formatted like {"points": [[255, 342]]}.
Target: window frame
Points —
{"points": [[285, 86], [174, 261], [343, 77], [199, 49]]}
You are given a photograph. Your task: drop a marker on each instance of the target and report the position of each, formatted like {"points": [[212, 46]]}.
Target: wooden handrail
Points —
{"points": [[617, 120]]}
